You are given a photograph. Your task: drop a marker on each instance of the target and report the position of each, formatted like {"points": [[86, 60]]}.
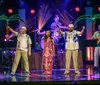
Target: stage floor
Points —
{"points": [[58, 75]]}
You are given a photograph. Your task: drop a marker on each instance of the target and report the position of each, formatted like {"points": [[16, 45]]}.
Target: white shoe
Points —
{"points": [[12, 73], [66, 72], [77, 72], [27, 74]]}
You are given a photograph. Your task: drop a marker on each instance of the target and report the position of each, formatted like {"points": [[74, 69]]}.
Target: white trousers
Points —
{"points": [[96, 56]]}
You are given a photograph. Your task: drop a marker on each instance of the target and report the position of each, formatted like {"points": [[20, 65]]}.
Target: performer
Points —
{"points": [[55, 23], [23, 49], [72, 46], [54, 29], [96, 36], [48, 52]]}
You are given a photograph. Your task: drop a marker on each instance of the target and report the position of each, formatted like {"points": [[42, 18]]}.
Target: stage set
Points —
{"points": [[60, 35]]}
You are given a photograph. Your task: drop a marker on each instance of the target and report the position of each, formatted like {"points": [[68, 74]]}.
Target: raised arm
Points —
{"points": [[82, 31], [10, 29], [59, 30]]}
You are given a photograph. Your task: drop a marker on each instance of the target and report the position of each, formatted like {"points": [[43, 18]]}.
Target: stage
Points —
{"points": [[36, 77], [55, 28]]}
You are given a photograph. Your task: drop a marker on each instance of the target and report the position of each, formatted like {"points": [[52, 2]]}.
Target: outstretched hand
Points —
{"points": [[83, 27]]}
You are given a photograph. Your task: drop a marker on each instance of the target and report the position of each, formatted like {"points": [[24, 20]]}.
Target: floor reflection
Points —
{"points": [[86, 74]]}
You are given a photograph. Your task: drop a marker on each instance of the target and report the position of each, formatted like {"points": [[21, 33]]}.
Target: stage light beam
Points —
{"points": [[43, 17]]}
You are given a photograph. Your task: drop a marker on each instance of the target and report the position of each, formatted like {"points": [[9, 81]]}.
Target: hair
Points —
{"points": [[45, 37]]}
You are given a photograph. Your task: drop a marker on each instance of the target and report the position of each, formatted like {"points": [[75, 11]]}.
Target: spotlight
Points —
{"points": [[99, 9], [10, 11], [32, 11], [77, 9]]}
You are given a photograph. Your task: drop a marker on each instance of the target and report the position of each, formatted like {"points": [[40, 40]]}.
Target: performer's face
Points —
{"points": [[71, 28], [56, 19], [22, 31], [48, 33]]}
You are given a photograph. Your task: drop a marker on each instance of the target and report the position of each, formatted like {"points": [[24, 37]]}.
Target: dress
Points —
{"points": [[48, 54]]}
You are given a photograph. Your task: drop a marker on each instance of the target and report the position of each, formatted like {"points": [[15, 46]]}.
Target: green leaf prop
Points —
{"points": [[15, 17]]}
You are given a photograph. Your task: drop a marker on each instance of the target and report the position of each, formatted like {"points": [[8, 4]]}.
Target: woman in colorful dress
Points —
{"points": [[48, 52]]}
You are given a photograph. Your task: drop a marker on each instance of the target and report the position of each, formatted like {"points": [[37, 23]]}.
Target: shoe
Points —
{"points": [[12, 74], [66, 72], [26, 74], [77, 72]]}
